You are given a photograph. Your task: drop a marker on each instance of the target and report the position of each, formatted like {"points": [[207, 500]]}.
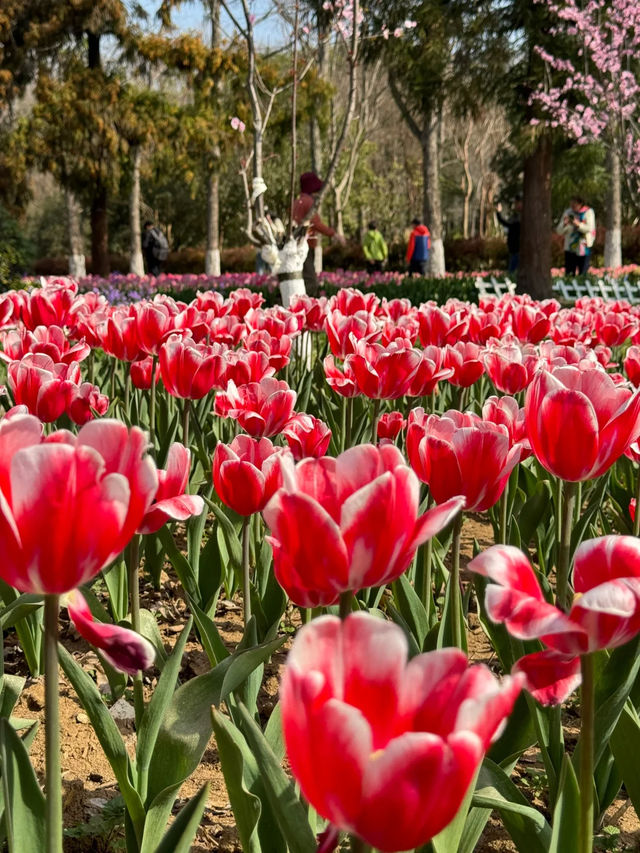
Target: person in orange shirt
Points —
{"points": [[310, 185]]}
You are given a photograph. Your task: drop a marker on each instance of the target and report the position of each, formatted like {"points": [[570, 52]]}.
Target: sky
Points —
{"points": [[191, 16]]}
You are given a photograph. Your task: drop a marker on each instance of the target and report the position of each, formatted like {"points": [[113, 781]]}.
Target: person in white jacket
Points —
{"points": [[578, 225]]}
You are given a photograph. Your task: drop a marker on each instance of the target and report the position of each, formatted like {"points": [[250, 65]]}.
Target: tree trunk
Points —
{"points": [[534, 275], [431, 197], [136, 263], [613, 237], [337, 200], [77, 265], [100, 233], [212, 255]]}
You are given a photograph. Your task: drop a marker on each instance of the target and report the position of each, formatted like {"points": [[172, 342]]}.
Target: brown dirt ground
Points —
{"points": [[88, 782]]}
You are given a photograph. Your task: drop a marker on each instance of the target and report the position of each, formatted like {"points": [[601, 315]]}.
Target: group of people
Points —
{"points": [[374, 247], [376, 251], [577, 225]]}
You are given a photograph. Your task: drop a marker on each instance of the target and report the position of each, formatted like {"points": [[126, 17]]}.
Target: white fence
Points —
{"points": [[570, 289]]}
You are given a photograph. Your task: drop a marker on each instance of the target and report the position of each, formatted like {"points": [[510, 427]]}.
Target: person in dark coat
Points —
{"points": [[512, 227]]}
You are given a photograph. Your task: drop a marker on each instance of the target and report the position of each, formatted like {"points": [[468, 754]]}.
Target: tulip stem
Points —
{"points": [[246, 578], [563, 595], [152, 400], [454, 582], [52, 726], [636, 519], [186, 418], [504, 514], [587, 715], [374, 422], [346, 599], [127, 389], [134, 598], [349, 421], [343, 430]]}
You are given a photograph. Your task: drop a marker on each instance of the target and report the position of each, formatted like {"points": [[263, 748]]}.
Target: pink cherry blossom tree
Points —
{"points": [[597, 98]]}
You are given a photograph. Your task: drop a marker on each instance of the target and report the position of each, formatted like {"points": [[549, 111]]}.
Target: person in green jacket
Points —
{"points": [[374, 248]]}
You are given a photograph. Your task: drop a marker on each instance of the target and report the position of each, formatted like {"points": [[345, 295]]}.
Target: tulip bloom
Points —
{"points": [[438, 328], [242, 367], [613, 329], [384, 373], [261, 408], [85, 402], [243, 300], [70, 504], [384, 747], [49, 340], [119, 336], [363, 507], [579, 422], [430, 371], [460, 454], [277, 349], [188, 370], [341, 381], [141, 373], [529, 323], [313, 310], [506, 412], [344, 331], [465, 359], [632, 365], [51, 304], [171, 502], [307, 436], [43, 387], [605, 612], [154, 324], [510, 368], [246, 473], [390, 425], [350, 301]]}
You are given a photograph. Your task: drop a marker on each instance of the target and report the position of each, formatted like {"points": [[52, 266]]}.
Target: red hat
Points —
{"points": [[310, 183]]}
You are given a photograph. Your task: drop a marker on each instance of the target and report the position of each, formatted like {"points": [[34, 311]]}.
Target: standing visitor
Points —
{"points": [[310, 186], [578, 226], [418, 248], [512, 227], [155, 248], [374, 248]]}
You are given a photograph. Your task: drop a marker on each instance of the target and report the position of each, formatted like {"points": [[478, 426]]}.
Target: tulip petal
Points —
{"points": [[240, 485], [609, 613], [550, 677], [178, 508], [508, 566], [310, 575], [605, 558], [413, 789], [374, 659], [565, 413], [126, 650], [436, 519]]}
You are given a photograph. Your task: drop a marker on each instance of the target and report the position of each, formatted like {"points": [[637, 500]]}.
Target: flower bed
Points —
{"points": [[312, 470]]}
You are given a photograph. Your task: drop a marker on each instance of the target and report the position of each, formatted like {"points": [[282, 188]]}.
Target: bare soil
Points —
{"points": [[89, 784]]}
